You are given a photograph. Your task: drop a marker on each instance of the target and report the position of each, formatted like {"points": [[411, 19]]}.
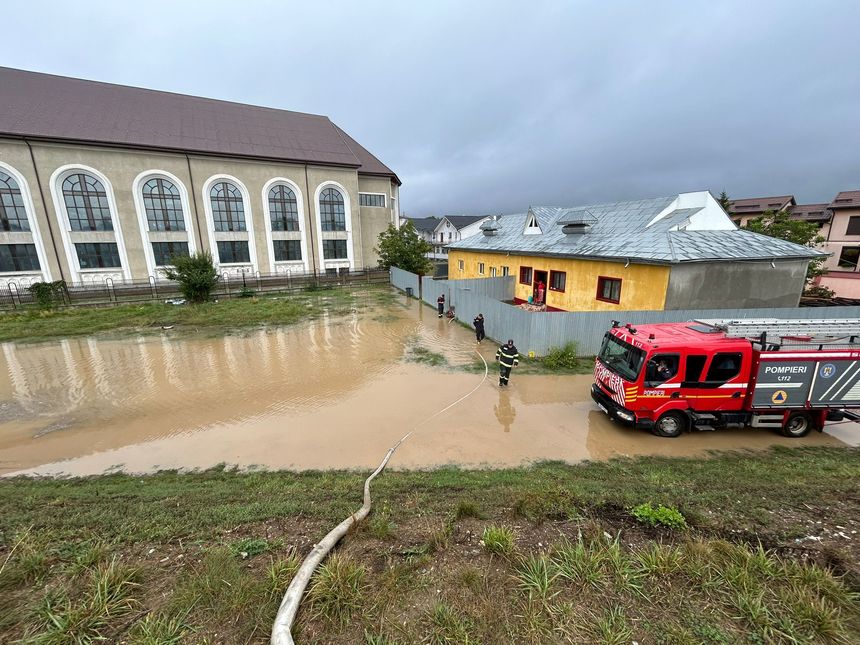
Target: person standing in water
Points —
{"points": [[479, 327], [440, 305], [508, 358]]}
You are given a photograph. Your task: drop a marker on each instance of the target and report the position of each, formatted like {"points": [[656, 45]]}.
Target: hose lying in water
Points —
{"points": [[282, 628]]}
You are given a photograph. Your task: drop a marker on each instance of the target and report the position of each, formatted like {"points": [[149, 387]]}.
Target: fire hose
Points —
{"points": [[283, 625]]}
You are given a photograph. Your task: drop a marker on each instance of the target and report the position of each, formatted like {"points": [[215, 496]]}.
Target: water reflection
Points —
{"points": [[505, 412]]}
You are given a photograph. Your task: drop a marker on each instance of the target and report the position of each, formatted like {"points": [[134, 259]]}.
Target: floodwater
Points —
{"points": [[329, 393]]}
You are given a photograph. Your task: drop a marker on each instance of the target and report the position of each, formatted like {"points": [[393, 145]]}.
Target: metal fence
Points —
{"points": [[539, 331], [405, 281], [118, 292]]}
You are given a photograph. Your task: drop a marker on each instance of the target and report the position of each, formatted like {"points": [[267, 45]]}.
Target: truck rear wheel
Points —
{"points": [[671, 424], [797, 425]]}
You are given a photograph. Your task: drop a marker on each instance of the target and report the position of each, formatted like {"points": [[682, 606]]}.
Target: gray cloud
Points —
{"points": [[492, 106]]}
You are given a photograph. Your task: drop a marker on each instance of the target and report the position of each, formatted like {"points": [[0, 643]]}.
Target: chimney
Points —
{"points": [[491, 226]]}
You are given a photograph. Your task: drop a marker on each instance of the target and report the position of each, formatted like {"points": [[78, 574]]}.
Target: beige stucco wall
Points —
{"points": [[837, 238], [121, 167], [375, 219]]}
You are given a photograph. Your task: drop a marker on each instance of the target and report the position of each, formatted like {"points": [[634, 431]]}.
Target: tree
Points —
{"points": [[404, 249], [781, 225], [195, 274], [724, 201]]}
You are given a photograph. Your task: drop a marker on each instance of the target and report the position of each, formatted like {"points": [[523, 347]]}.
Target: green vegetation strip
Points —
{"points": [[543, 554], [35, 324]]}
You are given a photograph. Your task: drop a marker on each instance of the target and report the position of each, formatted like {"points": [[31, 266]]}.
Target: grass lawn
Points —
{"points": [[37, 324], [762, 552]]}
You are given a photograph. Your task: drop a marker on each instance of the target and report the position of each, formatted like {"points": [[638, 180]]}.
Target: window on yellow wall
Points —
{"points": [[609, 289], [525, 275], [506, 271], [557, 280], [480, 268], [492, 272], [460, 264]]}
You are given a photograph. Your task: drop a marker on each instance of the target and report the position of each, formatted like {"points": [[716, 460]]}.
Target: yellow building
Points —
{"points": [[677, 252]]}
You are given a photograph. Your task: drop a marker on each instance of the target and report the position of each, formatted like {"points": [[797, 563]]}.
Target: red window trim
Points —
{"points": [[600, 281], [550, 287], [531, 275]]}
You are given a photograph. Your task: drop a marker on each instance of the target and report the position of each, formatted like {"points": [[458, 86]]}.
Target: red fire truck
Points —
{"points": [[791, 375]]}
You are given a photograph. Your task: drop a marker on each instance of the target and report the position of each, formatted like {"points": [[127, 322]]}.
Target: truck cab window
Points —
{"points": [[661, 367], [724, 367], [694, 366]]}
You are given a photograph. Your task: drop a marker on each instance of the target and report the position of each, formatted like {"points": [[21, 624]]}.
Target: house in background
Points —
{"points": [[425, 227], [442, 231], [741, 211], [843, 242], [676, 252], [838, 223]]}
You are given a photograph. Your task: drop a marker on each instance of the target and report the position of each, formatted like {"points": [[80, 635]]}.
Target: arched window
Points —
{"points": [[228, 210], [283, 209], [86, 203], [13, 215], [163, 205], [332, 211]]}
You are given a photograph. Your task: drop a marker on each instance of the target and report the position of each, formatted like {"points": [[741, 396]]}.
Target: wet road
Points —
{"points": [[331, 393]]}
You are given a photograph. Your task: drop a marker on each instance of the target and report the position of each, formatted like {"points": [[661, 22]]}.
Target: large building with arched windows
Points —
{"points": [[102, 181]]}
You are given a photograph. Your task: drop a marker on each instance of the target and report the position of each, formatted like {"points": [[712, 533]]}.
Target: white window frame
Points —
{"points": [[35, 232], [493, 272], [62, 216], [137, 191], [249, 225], [385, 198], [481, 268], [506, 271], [349, 262], [285, 265], [461, 265]]}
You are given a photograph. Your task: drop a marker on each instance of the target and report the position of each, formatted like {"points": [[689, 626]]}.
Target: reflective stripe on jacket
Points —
{"points": [[507, 355]]}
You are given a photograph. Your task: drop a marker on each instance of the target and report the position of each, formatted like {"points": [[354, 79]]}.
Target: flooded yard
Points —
{"points": [[334, 392]]}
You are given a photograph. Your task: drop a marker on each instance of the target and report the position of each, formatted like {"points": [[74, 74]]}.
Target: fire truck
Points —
{"points": [[789, 375]]}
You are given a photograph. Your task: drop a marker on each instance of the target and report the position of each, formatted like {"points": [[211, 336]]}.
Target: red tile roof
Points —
{"points": [[45, 106], [846, 199]]}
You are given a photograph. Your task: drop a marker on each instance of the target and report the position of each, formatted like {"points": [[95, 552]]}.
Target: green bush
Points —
{"points": [[667, 516], [247, 293], [48, 294], [561, 358], [196, 275]]}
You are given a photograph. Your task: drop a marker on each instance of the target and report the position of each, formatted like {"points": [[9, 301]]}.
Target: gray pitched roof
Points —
{"points": [[459, 221], [45, 106], [424, 223], [620, 231]]}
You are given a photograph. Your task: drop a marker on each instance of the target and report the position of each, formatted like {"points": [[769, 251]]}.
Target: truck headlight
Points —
{"points": [[624, 415]]}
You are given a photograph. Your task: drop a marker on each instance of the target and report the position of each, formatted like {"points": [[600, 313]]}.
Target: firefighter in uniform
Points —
{"points": [[508, 358]]}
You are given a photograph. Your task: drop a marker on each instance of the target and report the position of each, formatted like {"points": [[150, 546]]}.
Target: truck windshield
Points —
{"points": [[623, 359]]}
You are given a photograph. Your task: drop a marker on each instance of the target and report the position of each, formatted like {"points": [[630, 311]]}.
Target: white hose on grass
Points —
{"points": [[283, 626]]}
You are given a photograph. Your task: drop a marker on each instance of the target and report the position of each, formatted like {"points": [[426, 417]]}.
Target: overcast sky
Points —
{"points": [[489, 107]]}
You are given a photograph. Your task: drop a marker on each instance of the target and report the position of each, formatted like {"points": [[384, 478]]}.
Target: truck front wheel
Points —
{"points": [[797, 425], [671, 424]]}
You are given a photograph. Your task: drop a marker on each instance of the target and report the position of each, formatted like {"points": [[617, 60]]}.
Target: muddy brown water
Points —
{"points": [[334, 392]]}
